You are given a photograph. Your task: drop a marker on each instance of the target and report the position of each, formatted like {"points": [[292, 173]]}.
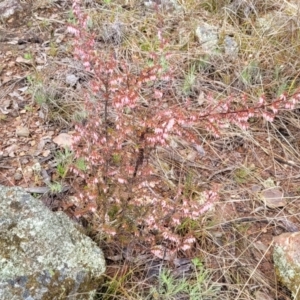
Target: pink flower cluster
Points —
{"points": [[130, 115]]}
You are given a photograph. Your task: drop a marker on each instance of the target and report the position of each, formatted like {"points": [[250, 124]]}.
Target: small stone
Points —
{"points": [[24, 161], [71, 79], [273, 197], [39, 61], [255, 188], [63, 140], [18, 176], [22, 131], [37, 167], [46, 153], [22, 60], [11, 154], [231, 46], [41, 114], [28, 172]]}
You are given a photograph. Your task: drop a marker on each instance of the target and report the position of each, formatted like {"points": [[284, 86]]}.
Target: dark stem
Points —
{"points": [[106, 126], [140, 157], [139, 161]]}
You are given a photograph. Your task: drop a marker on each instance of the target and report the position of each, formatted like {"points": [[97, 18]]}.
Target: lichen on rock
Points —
{"points": [[286, 258], [42, 254]]}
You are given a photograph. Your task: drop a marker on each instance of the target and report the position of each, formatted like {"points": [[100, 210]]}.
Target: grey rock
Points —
{"points": [[8, 8], [71, 79], [231, 46], [286, 258], [42, 254], [168, 5], [14, 12], [208, 37]]}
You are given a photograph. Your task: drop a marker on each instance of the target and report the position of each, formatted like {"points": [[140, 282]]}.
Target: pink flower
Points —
{"points": [[121, 180], [158, 94], [73, 30], [119, 123], [170, 124]]}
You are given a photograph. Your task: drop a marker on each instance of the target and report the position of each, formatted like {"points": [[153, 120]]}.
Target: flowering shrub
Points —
{"points": [[130, 112]]}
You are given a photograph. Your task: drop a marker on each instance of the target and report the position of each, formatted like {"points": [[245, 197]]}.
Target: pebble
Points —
{"points": [[46, 153], [18, 176], [24, 161], [22, 131]]}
